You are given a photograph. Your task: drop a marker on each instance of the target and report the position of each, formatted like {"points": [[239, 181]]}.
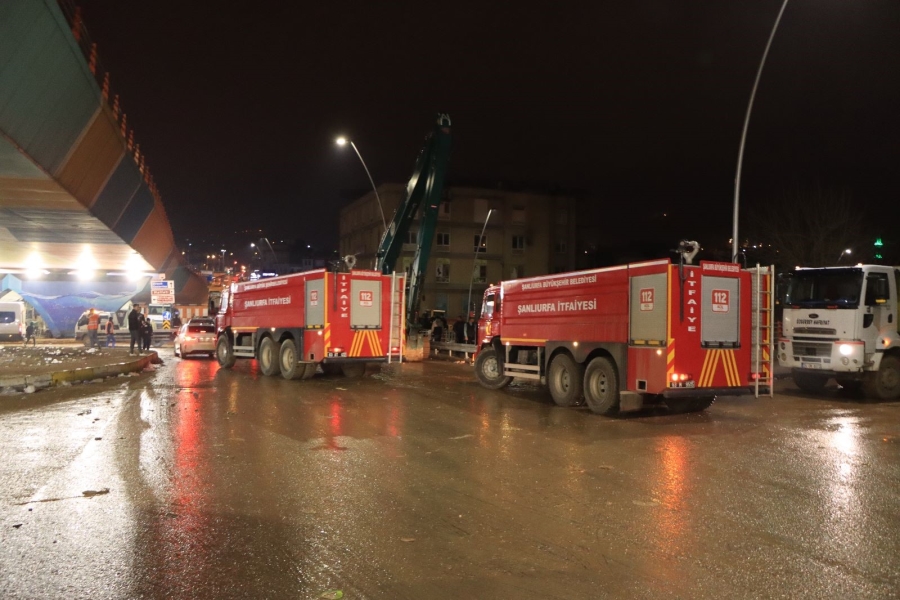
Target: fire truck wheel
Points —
{"points": [[687, 405], [268, 357], [331, 369], [885, 383], [566, 381], [489, 370], [809, 382], [353, 370], [601, 386], [287, 358], [224, 352]]}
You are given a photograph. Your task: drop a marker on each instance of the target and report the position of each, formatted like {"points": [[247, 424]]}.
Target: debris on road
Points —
{"points": [[332, 595], [92, 493]]}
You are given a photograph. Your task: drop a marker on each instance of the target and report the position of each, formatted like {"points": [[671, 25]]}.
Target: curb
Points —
{"points": [[45, 380]]}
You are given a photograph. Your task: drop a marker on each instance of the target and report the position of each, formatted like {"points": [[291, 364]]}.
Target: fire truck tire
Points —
{"points": [[885, 383], [809, 382], [353, 370], [489, 370], [291, 368], [224, 352], [688, 405], [331, 369], [601, 386], [566, 381], [268, 357]]}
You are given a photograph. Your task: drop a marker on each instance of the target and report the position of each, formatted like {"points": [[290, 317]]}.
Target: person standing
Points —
{"points": [[134, 328], [471, 331], [110, 333], [459, 330], [93, 326], [147, 329]]}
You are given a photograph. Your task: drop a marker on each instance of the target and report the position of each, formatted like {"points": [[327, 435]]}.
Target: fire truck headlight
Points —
{"points": [[845, 350]]}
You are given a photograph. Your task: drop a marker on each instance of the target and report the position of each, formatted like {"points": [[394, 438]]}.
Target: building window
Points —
{"points": [[518, 243], [480, 274], [444, 212], [518, 214], [479, 244], [517, 272], [560, 247], [442, 272], [411, 238], [443, 241]]}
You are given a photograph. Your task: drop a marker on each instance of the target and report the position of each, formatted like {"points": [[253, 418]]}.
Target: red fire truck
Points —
{"points": [[294, 323], [616, 337]]}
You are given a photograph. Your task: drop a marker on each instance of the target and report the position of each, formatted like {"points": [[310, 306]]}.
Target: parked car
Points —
{"points": [[197, 336]]}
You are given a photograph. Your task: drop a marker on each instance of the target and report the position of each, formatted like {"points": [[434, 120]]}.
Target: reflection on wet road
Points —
{"points": [[414, 482]]}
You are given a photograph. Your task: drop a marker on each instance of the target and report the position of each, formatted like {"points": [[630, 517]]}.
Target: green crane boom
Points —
{"points": [[425, 189]]}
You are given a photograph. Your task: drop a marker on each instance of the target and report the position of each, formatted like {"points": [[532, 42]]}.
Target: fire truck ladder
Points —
{"points": [[398, 317], [763, 329]]}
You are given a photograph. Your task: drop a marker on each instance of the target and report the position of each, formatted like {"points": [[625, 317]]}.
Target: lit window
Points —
{"points": [[480, 243]]}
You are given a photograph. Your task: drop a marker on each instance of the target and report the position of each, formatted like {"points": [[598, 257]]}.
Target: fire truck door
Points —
{"points": [[648, 310], [720, 312], [315, 303], [365, 304]]}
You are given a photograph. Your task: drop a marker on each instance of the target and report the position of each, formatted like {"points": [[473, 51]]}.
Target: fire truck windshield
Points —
{"points": [[821, 288]]}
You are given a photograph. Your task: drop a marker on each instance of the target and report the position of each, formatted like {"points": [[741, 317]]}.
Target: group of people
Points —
{"points": [[139, 326], [462, 332]]}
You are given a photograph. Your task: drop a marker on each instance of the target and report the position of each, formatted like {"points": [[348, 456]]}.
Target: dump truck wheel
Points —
{"points": [[353, 370], [224, 352], [566, 381], [489, 370], [885, 383], [601, 386], [287, 359], [809, 382], [268, 357]]}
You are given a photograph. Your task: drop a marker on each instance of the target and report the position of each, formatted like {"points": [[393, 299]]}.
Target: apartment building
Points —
{"points": [[527, 234]]}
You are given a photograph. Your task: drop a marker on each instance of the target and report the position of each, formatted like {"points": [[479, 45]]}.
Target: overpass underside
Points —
{"points": [[81, 221]]}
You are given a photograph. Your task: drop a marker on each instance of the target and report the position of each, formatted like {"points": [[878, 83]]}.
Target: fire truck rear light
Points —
{"points": [[395, 349], [754, 376], [336, 350]]}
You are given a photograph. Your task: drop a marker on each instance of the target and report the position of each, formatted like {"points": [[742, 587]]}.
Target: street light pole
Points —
{"points": [[475, 264], [341, 141], [737, 179], [847, 251]]}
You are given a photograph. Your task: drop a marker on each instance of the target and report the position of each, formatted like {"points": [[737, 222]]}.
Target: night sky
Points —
{"points": [[639, 104]]}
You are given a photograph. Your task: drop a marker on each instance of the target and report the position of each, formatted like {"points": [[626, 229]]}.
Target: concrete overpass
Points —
{"points": [[81, 220]]}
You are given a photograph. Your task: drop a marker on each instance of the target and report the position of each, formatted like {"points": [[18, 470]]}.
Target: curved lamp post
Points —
{"points": [[342, 141], [737, 179], [847, 252], [475, 264]]}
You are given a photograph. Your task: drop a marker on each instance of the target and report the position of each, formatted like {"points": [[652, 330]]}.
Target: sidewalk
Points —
{"points": [[61, 362]]}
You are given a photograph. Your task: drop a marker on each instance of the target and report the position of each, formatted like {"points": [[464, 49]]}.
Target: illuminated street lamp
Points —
{"points": [[847, 252], [735, 241], [342, 141]]}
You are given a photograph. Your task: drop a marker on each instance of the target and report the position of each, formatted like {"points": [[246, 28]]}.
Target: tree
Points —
{"points": [[809, 228]]}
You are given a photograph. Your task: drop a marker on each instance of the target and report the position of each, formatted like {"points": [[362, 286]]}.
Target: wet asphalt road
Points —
{"points": [[419, 484]]}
